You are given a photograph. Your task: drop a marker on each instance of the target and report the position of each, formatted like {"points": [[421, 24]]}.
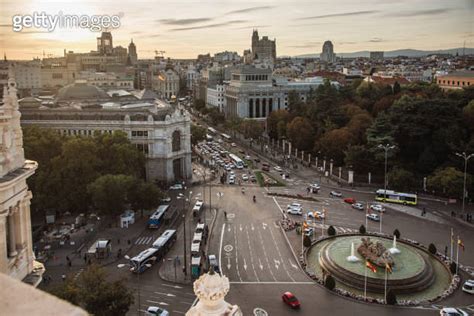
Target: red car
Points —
{"points": [[290, 300], [350, 200]]}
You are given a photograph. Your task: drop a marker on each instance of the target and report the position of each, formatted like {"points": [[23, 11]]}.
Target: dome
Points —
{"points": [[80, 90]]}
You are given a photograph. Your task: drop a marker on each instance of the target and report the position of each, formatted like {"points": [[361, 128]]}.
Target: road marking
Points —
{"points": [[240, 227], [174, 286], [292, 264], [230, 215], [245, 265], [277, 263], [220, 245], [228, 248], [260, 264], [264, 225], [265, 254], [281, 257], [253, 228], [228, 263], [228, 228], [283, 213], [237, 255], [259, 312], [159, 303], [166, 294]]}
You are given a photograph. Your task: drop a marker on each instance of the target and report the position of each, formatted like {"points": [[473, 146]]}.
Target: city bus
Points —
{"points": [[226, 137], [211, 130], [197, 208], [165, 242], [239, 164], [157, 217], [140, 261], [396, 197]]}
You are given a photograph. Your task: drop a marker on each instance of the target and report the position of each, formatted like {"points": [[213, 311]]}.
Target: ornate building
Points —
{"points": [[263, 49], [16, 246], [160, 130], [132, 53]]}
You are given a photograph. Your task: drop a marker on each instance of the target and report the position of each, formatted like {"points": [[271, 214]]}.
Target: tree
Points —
{"points": [[95, 294], [275, 119], [300, 133], [251, 129], [453, 267], [401, 179], [468, 115], [391, 297], [432, 249], [331, 231], [362, 230], [330, 283], [334, 143], [144, 196], [215, 116], [306, 241], [199, 104], [198, 134], [396, 233], [448, 181], [360, 158], [110, 193]]}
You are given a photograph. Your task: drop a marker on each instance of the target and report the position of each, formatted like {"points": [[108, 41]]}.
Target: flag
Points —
{"points": [[316, 215], [461, 244], [388, 267], [305, 225], [371, 266]]}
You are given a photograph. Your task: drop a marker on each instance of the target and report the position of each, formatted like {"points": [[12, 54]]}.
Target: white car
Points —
{"points": [[248, 157], [335, 193], [309, 231], [245, 177], [377, 207], [278, 168], [358, 206], [177, 186], [315, 186], [373, 217], [468, 286], [295, 209], [233, 145], [156, 311], [316, 214], [451, 311]]}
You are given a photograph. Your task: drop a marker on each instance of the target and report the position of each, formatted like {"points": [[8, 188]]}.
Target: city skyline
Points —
{"points": [[186, 28]]}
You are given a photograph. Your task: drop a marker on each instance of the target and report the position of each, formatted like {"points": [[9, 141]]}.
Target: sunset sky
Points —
{"points": [[185, 28]]}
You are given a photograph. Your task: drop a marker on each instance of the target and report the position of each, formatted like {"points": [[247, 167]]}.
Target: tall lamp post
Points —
{"points": [[148, 265], [466, 159], [183, 197], [386, 148]]}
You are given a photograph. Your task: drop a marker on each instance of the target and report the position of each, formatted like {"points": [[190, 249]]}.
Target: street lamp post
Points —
{"points": [[183, 197], [386, 148], [148, 265], [466, 159]]}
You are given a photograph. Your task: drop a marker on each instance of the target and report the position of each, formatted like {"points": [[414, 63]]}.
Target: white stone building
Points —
{"points": [[16, 246], [161, 131], [215, 96], [106, 80], [27, 74]]}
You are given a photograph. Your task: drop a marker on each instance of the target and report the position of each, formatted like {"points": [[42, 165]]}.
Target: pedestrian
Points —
{"points": [[225, 214], [129, 242], [118, 241], [63, 277], [69, 263], [446, 251], [85, 258], [67, 258]]}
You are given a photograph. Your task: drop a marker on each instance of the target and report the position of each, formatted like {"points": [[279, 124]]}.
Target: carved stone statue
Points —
{"points": [[375, 252]]}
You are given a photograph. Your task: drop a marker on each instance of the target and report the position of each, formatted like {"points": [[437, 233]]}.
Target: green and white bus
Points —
{"points": [[396, 197]]}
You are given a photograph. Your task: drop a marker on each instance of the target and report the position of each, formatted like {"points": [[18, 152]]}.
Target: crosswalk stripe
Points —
{"points": [[137, 241]]}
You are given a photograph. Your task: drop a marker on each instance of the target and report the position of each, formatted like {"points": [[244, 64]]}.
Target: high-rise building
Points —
{"points": [[263, 49], [376, 55], [104, 44], [132, 53], [327, 55]]}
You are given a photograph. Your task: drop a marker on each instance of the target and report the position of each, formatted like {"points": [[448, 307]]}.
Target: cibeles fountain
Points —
{"points": [[211, 288], [406, 269]]}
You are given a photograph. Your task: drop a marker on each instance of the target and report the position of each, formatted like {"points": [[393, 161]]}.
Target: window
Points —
{"points": [[176, 141]]}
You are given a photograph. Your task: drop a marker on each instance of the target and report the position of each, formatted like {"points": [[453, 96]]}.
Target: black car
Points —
{"points": [[257, 160]]}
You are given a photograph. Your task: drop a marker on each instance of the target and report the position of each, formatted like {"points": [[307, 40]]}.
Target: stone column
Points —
{"points": [[309, 158], [11, 235], [302, 155], [340, 172], [289, 149], [324, 165], [330, 167], [316, 162], [370, 177]]}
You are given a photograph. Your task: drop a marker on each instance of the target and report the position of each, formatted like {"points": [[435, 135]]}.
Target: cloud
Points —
{"points": [[354, 13], [184, 21], [6, 25], [347, 43], [251, 27], [420, 13], [208, 26], [252, 9], [376, 40], [306, 45]]}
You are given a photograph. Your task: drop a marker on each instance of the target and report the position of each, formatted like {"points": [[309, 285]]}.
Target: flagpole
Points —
{"points": [[366, 223], [365, 282], [457, 256], [381, 222]]}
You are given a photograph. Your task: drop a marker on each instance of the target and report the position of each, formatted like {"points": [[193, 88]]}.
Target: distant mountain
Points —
{"points": [[400, 52]]}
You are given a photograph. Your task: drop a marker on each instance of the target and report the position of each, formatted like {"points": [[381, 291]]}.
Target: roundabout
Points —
{"points": [[368, 266]]}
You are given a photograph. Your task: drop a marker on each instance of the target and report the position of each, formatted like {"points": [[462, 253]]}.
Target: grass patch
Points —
{"points": [[260, 176]]}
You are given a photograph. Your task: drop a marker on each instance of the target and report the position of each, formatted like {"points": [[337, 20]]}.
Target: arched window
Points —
{"points": [[176, 141]]}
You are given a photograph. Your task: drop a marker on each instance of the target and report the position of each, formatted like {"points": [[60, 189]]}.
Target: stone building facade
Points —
{"points": [[16, 246], [263, 49]]}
